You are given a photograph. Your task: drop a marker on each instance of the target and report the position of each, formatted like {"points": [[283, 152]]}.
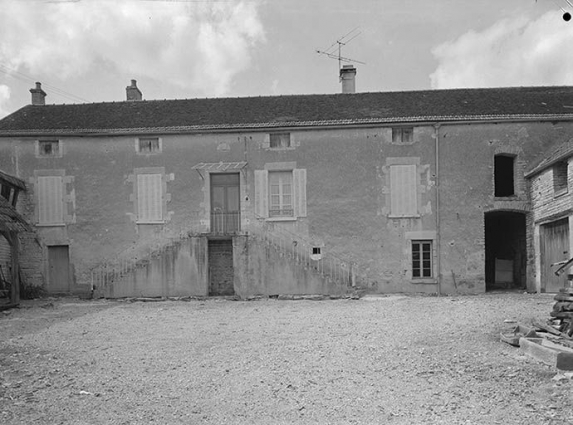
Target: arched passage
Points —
{"points": [[505, 250]]}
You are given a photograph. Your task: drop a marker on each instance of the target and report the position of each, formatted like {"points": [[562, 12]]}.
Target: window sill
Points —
{"points": [[424, 280], [506, 198], [50, 224], [560, 193], [391, 216], [281, 219], [150, 222]]}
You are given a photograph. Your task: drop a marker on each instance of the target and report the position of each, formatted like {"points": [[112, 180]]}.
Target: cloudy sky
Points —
{"points": [[89, 50]]}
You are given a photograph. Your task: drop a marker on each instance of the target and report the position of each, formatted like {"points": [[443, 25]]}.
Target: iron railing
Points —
{"points": [[225, 222]]}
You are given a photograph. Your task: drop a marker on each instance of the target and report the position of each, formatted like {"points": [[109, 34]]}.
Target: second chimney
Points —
{"points": [[133, 93], [38, 95], [348, 78]]}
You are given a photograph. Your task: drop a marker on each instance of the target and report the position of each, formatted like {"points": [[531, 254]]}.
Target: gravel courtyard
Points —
{"points": [[377, 360]]}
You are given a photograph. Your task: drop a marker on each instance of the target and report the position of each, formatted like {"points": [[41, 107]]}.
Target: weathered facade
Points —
{"points": [[318, 194]]}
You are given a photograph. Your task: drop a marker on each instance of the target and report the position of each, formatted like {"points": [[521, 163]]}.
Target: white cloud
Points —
{"points": [[4, 98], [512, 52], [196, 45]]}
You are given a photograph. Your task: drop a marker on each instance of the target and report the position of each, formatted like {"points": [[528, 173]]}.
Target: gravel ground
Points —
{"points": [[377, 360]]}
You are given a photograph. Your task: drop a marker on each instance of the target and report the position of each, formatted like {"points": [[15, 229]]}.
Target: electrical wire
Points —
{"points": [[56, 90]]}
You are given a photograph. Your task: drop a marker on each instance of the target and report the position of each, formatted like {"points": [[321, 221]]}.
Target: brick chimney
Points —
{"points": [[38, 95], [348, 78], [133, 93]]}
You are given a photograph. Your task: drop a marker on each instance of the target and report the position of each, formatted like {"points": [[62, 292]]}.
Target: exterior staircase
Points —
{"points": [[299, 252]]}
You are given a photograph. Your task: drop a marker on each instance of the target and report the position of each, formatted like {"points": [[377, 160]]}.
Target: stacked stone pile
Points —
{"points": [[563, 311]]}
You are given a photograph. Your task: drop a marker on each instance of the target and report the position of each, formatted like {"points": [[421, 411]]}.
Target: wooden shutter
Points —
{"points": [[50, 200], [299, 183], [149, 197], [403, 190], [262, 193]]}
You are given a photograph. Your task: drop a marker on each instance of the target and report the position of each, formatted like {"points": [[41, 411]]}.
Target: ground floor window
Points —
{"points": [[422, 259]]}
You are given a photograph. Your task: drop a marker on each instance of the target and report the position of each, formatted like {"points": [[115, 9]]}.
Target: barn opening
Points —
{"points": [[505, 250]]}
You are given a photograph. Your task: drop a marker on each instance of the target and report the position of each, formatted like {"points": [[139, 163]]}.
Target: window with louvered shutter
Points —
{"points": [[149, 198], [281, 194], [50, 200], [403, 190]]}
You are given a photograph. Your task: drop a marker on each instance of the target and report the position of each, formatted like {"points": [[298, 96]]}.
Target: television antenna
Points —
{"points": [[342, 41]]}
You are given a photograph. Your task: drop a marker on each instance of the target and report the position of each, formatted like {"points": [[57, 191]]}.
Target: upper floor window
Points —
{"points": [[279, 140], [50, 195], [49, 148], [402, 135], [280, 191], [147, 145], [560, 177], [149, 198], [504, 183], [280, 194], [404, 190]]}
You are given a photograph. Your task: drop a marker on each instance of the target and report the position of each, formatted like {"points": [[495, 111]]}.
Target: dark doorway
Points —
{"points": [[221, 273], [225, 205], [505, 250], [554, 247], [59, 268]]}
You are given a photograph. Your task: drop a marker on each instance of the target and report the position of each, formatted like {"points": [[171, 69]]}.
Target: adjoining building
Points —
{"points": [[419, 191]]}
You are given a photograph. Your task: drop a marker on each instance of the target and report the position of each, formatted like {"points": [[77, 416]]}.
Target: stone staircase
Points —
{"points": [[302, 256]]}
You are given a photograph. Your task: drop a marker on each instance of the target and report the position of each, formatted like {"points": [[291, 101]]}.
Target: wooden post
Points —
{"points": [[15, 288], [12, 238]]}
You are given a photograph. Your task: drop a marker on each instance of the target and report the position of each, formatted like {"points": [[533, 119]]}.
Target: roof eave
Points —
{"points": [[300, 125]]}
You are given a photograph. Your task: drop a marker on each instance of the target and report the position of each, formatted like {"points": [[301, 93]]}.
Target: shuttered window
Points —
{"points": [[50, 200], [404, 190], [280, 193], [149, 198]]}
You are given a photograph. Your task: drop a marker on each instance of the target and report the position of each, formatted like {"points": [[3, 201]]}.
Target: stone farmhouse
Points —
{"points": [[415, 191]]}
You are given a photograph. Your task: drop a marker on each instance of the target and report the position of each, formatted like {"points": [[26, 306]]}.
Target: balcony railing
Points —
{"points": [[225, 222]]}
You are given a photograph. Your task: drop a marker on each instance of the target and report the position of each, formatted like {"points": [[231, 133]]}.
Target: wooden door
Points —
{"points": [[554, 241], [221, 274], [58, 269]]}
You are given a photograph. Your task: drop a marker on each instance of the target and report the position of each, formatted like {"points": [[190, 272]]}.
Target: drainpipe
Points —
{"points": [[438, 236]]}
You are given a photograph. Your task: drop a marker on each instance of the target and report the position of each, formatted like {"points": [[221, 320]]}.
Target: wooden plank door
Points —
{"points": [[221, 274], [59, 268], [554, 241]]}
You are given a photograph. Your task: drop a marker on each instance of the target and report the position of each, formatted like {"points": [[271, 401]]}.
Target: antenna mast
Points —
{"points": [[342, 41]]}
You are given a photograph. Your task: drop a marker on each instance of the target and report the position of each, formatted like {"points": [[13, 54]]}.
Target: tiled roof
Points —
{"points": [[14, 181], [187, 115], [10, 219], [547, 159]]}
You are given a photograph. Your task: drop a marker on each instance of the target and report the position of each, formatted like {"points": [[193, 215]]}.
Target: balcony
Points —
{"points": [[224, 223]]}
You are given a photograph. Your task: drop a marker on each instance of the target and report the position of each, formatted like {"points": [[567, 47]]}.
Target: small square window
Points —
{"points": [[149, 145], [402, 135], [316, 250], [49, 148], [280, 141]]}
